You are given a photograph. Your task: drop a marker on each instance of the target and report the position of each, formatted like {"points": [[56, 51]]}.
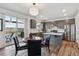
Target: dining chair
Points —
{"points": [[17, 46], [46, 43], [9, 37]]}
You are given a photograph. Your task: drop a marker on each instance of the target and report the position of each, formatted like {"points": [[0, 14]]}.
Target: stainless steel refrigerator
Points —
{"points": [[70, 32]]}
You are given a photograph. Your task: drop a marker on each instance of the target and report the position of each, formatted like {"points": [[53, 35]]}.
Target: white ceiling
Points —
{"points": [[47, 10]]}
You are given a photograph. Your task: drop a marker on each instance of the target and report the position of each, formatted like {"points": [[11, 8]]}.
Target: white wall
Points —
{"points": [[77, 27], [27, 27], [2, 35]]}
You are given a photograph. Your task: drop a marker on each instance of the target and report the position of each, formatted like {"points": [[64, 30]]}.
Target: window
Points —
{"points": [[13, 19], [20, 23], [10, 25], [20, 20], [14, 25], [7, 18], [10, 22]]}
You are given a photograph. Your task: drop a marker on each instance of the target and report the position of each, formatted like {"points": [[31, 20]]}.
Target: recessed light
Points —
{"points": [[41, 16], [64, 10], [65, 14]]}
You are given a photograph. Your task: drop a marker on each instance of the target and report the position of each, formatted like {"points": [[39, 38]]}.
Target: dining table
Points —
{"points": [[34, 46]]}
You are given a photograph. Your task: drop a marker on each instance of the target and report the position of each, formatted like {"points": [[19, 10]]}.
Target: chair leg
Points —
{"points": [[16, 52], [49, 50]]}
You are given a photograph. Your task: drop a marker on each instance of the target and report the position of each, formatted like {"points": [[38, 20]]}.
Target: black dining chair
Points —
{"points": [[17, 46], [46, 43]]}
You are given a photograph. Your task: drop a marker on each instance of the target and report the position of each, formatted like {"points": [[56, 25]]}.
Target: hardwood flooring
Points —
{"points": [[68, 49], [10, 51]]}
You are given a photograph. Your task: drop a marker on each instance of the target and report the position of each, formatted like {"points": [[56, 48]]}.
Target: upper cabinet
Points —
{"points": [[33, 24]]}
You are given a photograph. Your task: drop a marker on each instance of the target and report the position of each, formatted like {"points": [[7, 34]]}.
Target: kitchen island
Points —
{"points": [[55, 40]]}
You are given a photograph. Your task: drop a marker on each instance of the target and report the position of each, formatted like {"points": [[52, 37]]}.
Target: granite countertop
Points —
{"points": [[52, 33]]}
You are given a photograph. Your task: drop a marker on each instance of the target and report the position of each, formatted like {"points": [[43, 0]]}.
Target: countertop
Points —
{"points": [[52, 33]]}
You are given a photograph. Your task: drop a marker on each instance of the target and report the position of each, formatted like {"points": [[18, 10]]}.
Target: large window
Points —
{"points": [[20, 23], [13, 19], [10, 22], [20, 28], [14, 25], [10, 25], [7, 18]]}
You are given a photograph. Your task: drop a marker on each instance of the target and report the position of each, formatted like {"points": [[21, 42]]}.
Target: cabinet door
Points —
{"points": [[67, 32], [72, 32], [33, 24]]}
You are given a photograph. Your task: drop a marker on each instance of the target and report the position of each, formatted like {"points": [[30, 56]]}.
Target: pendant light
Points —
{"points": [[34, 11]]}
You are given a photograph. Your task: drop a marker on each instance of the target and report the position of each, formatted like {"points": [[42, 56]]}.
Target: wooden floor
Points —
{"points": [[68, 49], [10, 51]]}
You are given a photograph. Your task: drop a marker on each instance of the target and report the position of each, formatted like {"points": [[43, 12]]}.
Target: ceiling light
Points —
{"points": [[34, 10], [65, 14], [64, 10], [41, 16]]}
